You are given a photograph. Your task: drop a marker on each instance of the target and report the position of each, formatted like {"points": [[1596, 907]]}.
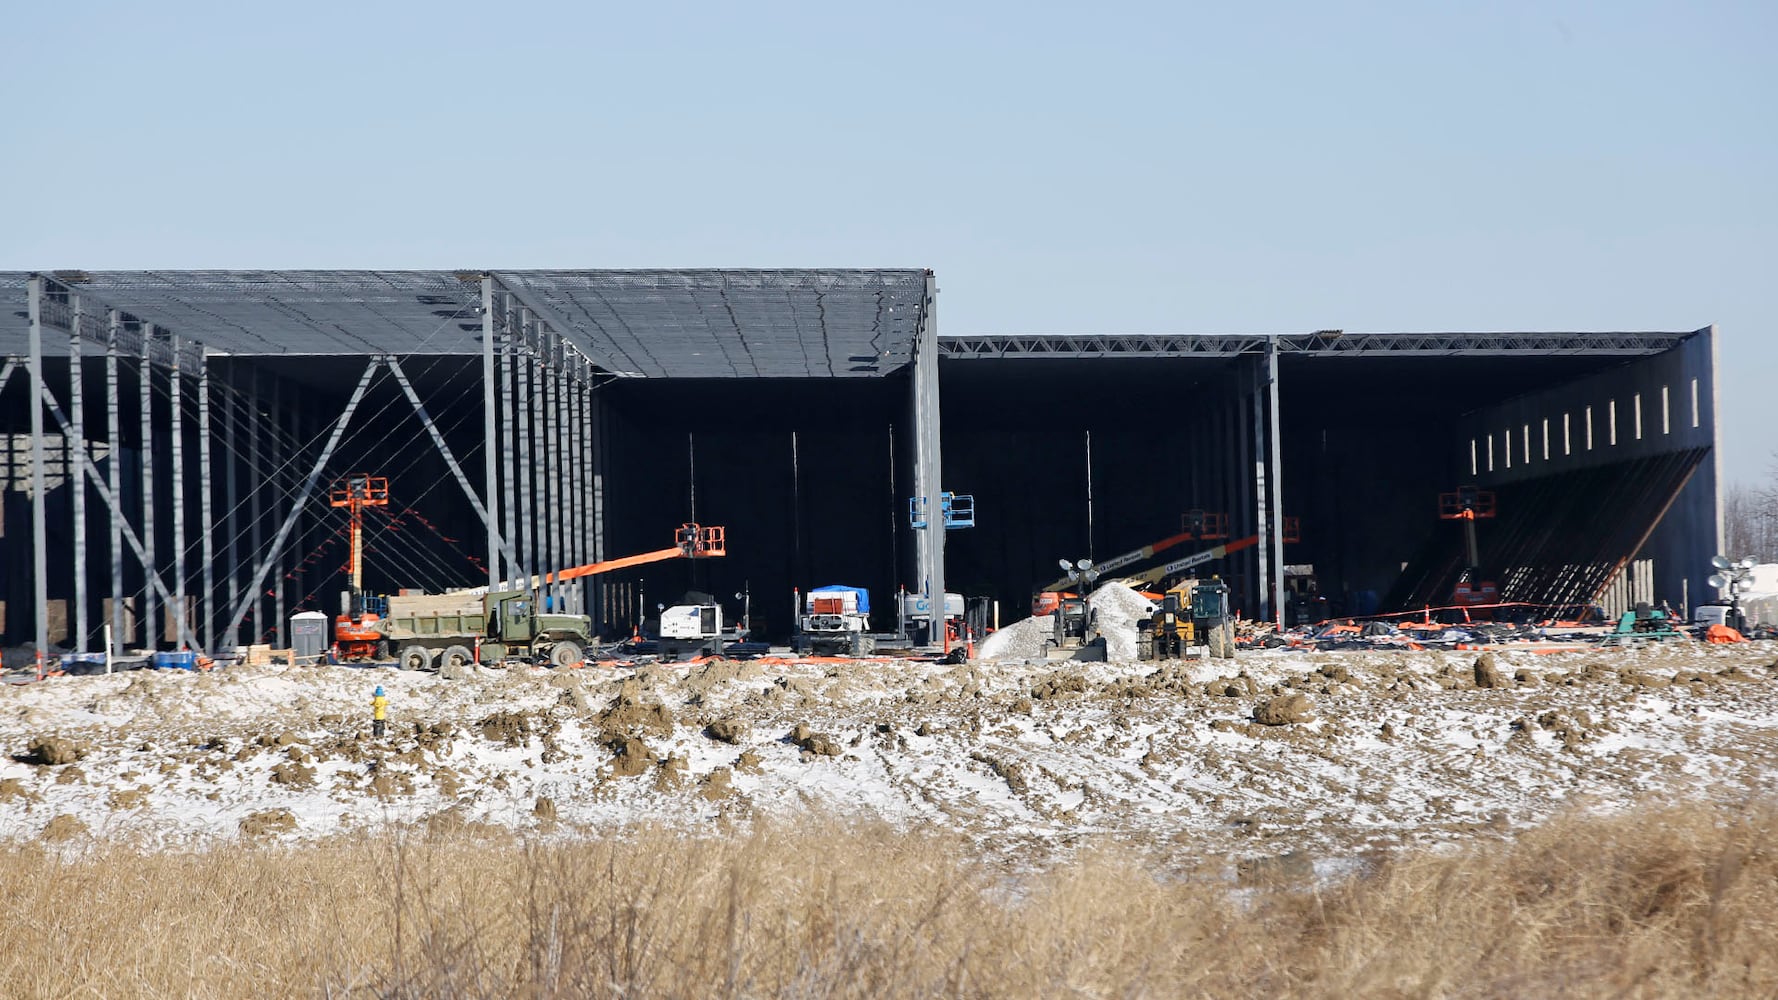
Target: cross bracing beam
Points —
{"points": [[1324, 343], [1480, 344], [1097, 346]]}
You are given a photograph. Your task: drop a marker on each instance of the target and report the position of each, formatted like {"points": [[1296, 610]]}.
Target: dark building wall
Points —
{"points": [[809, 477]]}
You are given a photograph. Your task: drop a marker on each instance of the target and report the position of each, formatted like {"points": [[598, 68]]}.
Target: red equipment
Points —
{"points": [[355, 632]]}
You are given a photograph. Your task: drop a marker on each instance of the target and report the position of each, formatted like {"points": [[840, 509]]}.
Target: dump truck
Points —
{"points": [[455, 630], [477, 624]]}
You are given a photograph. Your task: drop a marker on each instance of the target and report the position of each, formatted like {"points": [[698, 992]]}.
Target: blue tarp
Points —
{"points": [[863, 595]]}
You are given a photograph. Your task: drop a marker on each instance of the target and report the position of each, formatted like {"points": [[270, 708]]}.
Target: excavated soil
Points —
{"points": [[1336, 754]]}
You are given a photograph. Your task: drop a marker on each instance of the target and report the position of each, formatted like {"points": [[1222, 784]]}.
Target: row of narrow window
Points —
{"points": [[1481, 451]]}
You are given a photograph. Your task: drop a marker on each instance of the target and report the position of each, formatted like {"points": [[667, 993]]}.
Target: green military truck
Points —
{"points": [[440, 630]]}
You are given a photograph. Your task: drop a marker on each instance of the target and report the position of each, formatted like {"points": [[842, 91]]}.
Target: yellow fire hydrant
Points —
{"points": [[379, 712]]}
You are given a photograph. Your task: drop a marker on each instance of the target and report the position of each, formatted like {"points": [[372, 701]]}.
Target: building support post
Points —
{"points": [[150, 566], [256, 486], [489, 451], [595, 459], [39, 528], [114, 478], [206, 524], [509, 433], [281, 479], [526, 513], [1277, 478], [77, 482], [928, 463], [177, 383], [549, 498], [231, 497], [558, 470], [1262, 519], [538, 458], [577, 451]]}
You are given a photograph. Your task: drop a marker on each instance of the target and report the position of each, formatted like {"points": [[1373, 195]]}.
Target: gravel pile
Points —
{"points": [[1019, 641], [1119, 609]]}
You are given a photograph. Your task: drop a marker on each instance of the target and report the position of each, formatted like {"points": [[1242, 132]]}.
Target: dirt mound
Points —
{"points": [[629, 716], [719, 785], [268, 823], [715, 673], [1487, 673], [510, 728], [1283, 711], [632, 756], [1062, 682], [293, 775], [47, 750], [727, 730], [819, 744]]}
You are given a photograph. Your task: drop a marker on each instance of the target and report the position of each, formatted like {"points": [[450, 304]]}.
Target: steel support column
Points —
{"points": [[559, 469], [280, 463], [1277, 477], [77, 483], [1262, 512], [39, 527], [176, 431], [206, 485], [928, 462], [526, 512], [489, 457], [231, 498], [509, 433], [549, 489], [577, 451], [150, 566], [114, 477], [256, 486]]}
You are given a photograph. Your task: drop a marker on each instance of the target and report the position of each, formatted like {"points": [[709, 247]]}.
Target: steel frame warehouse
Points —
{"points": [[542, 347]]}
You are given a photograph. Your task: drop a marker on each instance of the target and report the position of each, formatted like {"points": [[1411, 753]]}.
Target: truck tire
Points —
{"points": [[456, 656], [566, 653], [1222, 645], [415, 658], [381, 655]]}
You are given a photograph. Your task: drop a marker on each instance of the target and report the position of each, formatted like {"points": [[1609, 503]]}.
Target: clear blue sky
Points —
{"points": [[1080, 168]]}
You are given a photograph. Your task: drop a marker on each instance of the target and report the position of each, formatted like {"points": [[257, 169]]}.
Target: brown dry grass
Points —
{"points": [[1661, 902]]}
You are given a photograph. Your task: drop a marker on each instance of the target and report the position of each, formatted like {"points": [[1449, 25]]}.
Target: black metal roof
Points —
{"points": [[713, 323]]}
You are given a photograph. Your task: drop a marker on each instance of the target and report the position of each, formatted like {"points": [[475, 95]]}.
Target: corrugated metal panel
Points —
{"points": [[652, 323]]}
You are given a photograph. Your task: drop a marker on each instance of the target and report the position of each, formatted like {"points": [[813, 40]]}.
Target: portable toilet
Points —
{"points": [[308, 638]]}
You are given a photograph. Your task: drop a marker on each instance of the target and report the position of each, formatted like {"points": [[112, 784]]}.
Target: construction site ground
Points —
{"points": [[1313, 759]]}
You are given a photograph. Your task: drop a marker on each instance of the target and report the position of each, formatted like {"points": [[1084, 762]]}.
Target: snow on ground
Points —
{"points": [[1402, 748]]}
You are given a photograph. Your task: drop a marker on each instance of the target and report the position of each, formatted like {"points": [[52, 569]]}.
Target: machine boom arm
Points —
{"points": [[692, 541], [1128, 558], [1197, 559]]}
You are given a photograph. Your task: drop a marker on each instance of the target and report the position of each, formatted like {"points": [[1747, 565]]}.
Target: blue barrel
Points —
{"points": [[183, 659]]}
